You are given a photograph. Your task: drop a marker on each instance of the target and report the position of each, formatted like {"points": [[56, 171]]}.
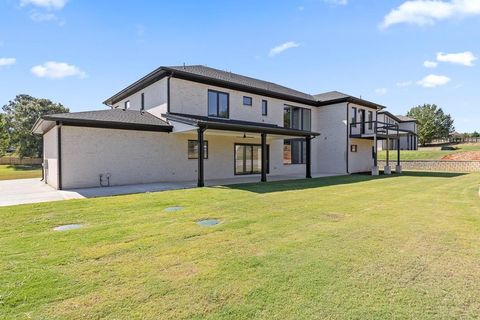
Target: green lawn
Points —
{"points": [[9, 172], [428, 153], [356, 247]]}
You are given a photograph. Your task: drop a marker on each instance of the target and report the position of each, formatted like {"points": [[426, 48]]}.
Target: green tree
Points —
{"points": [[4, 140], [433, 123], [20, 116], [475, 134]]}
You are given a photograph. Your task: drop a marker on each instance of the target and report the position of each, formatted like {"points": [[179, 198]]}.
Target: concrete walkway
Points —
{"points": [[22, 191]]}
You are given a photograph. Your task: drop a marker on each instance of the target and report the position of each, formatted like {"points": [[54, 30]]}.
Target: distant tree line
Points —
{"points": [[17, 120]]}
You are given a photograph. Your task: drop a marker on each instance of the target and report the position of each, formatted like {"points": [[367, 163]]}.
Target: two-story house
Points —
{"points": [[408, 131], [195, 123]]}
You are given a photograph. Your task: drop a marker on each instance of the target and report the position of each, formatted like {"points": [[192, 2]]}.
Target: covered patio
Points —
{"points": [[377, 130], [187, 123]]}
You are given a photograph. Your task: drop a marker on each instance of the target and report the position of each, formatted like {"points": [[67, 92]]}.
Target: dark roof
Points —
{"points": [[227, 79], [333, 97], [236, 125], [112, 118], [398, 118], [405, 118]]}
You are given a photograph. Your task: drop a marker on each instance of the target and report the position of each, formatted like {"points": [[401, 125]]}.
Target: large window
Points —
{"points": [[370, 120], [297, 118], [264, 107], [248, 158], [142, 105], [193, 149], [294, 150], [218, 103], [354, 117]]}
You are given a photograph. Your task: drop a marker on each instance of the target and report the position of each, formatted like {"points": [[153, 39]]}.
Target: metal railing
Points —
{"points": [[373, 127]]}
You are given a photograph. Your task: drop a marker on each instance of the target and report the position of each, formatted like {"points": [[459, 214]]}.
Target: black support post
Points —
{"points": [[398, 146], [201, 151], [308, 162], [264, 157]]}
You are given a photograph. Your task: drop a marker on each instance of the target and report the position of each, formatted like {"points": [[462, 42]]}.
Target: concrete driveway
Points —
{"points": [[24, 191]]}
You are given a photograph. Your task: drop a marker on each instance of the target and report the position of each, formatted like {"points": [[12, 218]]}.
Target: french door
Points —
{"points": [[362, 121], [248, 158]]}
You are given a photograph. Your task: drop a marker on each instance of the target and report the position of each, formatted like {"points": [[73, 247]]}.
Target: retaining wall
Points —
{"points": [[437, 165]]}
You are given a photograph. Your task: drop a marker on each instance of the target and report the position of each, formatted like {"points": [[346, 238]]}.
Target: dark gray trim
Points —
{"points": [[264, 157], [347, 142], [308, 162], [358, 101], [59, 155], [201, 179], [110, 125], [168, 92]]}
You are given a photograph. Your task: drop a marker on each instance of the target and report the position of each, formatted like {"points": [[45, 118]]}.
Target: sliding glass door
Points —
{"points": [[248, 158]]}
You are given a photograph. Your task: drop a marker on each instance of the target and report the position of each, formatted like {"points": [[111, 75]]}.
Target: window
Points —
{"points": [[247, 101], [297, 118], [354, 117], [353, 148], [142, 105], [126, 105], [264, 107], [248, 158], [294, 151], [370, 120], [193, 149], [218, 104]]}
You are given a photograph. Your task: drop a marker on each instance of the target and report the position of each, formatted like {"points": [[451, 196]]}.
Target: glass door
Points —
{"points": [[248, 158], [362, 121]]}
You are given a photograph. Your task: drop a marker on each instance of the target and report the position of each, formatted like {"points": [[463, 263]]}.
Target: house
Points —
{"points": [[192, 123], [408, 131]]}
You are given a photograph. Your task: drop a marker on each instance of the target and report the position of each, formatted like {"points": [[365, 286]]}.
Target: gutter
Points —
{"points": [[348, 137]]}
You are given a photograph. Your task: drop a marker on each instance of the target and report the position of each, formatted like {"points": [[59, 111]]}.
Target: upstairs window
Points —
{"points": [[297, 118], [247, 101], [126, 105], [370, 120], [142, 103], [264, 107], [354, 117], [218, 104]]}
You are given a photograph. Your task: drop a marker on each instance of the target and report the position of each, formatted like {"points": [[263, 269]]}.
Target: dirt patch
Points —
{"points": [[466, 155], [335, 217]]}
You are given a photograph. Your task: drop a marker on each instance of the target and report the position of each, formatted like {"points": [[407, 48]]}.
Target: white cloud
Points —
{"points": [[463, 58], [49, 4], [57, 70], [284, 46], [7, 61], [433, 80], [381, 91], [427, 12], [404, 83], [337, 2], [430, 64]]}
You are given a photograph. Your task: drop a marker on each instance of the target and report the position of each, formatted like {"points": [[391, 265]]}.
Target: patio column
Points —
{"points": [[387, 169], [201, 151], [308, 161], [398, 168], [264, 157]]}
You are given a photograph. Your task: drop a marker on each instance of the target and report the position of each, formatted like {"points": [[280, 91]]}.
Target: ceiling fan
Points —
{"points": [[245, 136]]}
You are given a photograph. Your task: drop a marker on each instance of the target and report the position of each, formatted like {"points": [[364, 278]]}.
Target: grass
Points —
{"points": [[351, 247], [428, 153], [9, 172]]}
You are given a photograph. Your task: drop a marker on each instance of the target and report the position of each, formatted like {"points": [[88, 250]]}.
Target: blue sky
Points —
{"points": [[397, 53]]}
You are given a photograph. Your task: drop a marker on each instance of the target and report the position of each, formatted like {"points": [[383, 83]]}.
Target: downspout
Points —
{"points": [[59, 156], [348, 136], [168, 92]]}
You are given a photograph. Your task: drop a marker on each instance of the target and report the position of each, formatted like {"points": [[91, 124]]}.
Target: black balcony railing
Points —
{"points": [[373, 127]]}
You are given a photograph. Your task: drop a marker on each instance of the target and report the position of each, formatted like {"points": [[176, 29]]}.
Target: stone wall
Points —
{"points": [[436, 165]]}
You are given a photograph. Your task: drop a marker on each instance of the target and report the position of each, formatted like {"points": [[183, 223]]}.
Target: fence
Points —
{"points": [[457, 140], [18, 161], [437, 165]]}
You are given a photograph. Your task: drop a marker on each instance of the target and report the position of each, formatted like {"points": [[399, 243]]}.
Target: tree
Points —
{"points": [[433, 123], [4, 141], [475, 134], [20, 116]]}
